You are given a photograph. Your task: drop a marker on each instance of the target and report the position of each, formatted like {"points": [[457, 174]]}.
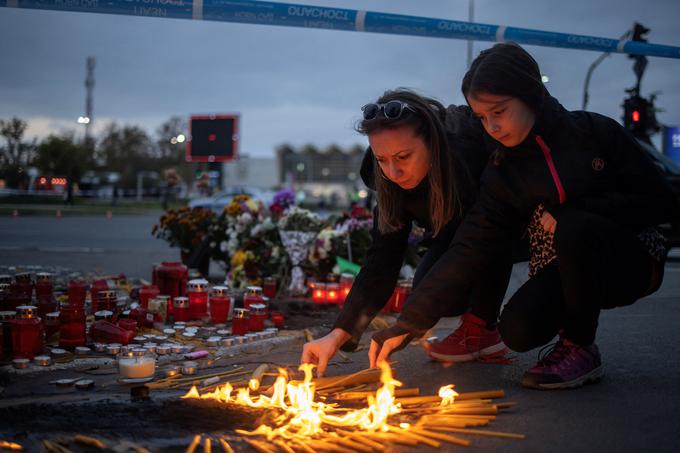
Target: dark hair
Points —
{"points": [[427, 120], [506, 69]]}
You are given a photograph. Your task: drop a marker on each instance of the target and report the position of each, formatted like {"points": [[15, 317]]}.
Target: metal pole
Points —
{"points": [[470, 43]]}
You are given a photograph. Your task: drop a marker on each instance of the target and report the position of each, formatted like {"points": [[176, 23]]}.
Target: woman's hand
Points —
{"points": [[320, 352], [548, 222]]}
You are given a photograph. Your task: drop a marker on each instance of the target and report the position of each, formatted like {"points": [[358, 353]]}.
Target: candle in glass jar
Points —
{"points": [[106, 300], [401, 294], [219, 304], [346, 281], [258, 313], [134, 365], [181, 309], [77, 290], [332, 293], [319, 293], [197, 290], [269, 287], [147, 292], [240, 321], [253, 295], [278, 319], [6, 333], [72, 326], [27, 333]]}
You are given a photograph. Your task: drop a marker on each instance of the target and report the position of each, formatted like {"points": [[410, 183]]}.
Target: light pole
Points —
{"points": [[471, 18]]}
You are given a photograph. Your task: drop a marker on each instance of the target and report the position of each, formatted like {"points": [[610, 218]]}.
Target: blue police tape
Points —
{"points": [[308, 16]]}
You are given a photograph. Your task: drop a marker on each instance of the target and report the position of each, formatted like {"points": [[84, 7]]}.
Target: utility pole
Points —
{"points": [[471, 18], [89, 86]]}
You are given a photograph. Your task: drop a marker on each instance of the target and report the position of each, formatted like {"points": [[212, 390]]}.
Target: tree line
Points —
{"points": [[124, 149]]}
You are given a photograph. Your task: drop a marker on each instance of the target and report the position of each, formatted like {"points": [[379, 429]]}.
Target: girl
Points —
{"points": [[587, 196], [423, 162]]}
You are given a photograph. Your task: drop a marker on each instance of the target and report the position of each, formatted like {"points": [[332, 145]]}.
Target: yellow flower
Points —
{"points": [[239, 258]]}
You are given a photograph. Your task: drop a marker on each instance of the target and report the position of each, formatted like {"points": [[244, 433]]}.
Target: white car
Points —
{"points": [[218, 201]]}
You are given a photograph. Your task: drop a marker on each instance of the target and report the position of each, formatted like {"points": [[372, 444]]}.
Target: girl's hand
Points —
{"points": [[548, 222], [387, 341]]}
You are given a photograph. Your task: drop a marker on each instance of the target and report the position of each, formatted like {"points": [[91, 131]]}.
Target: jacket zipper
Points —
{"points": [[551, 166]]}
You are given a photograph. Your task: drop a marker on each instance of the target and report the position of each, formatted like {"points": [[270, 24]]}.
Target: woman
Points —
{"points": [[587, 196], [423, 162]]}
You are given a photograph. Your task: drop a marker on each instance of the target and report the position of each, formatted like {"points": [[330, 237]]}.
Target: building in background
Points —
{"points": [[246, 171]]}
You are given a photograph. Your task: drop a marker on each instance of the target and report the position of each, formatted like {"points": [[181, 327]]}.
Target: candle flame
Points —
{"points": [[303, 416], [447, 394]]}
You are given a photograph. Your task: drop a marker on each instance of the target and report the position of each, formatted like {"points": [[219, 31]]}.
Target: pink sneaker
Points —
{"points": [[470, 341]]}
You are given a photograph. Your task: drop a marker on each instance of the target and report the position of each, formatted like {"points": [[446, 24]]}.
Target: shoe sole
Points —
{"points": [[491, 351], [594, 376]]}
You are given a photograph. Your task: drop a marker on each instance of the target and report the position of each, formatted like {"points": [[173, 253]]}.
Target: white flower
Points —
{"points": [[223, 246], [257, 229], [245, 218]]}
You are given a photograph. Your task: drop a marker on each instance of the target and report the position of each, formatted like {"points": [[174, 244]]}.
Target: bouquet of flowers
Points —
{"points": [[350, 238], [184, 228], [298, 227], [247, 243]]}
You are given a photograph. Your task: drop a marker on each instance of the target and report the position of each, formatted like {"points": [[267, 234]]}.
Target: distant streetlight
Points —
{"points": [[83, 120], [545, 78], [179, 139]]}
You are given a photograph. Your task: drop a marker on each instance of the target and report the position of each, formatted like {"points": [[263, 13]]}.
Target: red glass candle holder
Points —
{"points": [[240, 321], [253, 295], [258, 313], [181, 309], [6, 328], [390, 303], [333, 293], [77, 291], [402, 292], [197, 290], [346, 281], [319, 294], [269, 287], [128, 324], [106, 332], [106, 300], [146, 293], [27, 333], [278, 319], [72, 326], [51, 325], [171, 278], [24, 284], [220, 302], [17, 296]]}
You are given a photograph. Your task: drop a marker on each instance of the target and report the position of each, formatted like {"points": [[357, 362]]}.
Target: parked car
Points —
{"points": [[222, 198]]}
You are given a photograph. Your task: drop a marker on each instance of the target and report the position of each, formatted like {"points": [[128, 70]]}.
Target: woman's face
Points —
{"points": [[506, 119], [402, 156]]}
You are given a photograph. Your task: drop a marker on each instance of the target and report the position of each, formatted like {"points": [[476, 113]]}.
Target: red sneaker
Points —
{"points": [[470, 341]]}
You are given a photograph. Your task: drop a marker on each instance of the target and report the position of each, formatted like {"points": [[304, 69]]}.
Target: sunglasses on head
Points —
{"points": [[392, 110]]}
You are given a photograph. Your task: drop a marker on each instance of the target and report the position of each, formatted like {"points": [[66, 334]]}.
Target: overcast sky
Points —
{"points": [[299, 86]]}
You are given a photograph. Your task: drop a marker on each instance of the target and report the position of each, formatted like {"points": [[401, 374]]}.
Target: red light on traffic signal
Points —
{"points": [[636, 116], [212, 137]]}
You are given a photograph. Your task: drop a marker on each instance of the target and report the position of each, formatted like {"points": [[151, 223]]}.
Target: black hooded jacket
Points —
{"points": [[378, 276], [570, 161]]}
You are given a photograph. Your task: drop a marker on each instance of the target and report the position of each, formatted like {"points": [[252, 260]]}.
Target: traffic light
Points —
{"points": [[639, 116], [214, 138]]}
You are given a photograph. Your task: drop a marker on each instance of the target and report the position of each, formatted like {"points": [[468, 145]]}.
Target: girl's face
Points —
{"points": [[506, 119], [402, 156]]}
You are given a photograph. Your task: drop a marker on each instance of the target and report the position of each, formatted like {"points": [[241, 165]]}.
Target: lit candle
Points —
{"points": [[332, 293], [319, 293], [131, 366]]}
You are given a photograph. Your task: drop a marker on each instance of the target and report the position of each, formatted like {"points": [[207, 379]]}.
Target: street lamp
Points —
{"points": [[83, 120]]}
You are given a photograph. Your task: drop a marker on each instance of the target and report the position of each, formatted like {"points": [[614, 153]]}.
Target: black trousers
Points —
{"points": [[486, 296], [599, 265]]}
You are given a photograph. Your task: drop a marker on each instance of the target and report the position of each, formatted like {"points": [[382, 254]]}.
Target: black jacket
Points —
{"points": [[601, 169], [375, 282]]}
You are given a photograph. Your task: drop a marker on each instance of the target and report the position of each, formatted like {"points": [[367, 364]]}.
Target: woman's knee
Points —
{"points": [[514, 331]]}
